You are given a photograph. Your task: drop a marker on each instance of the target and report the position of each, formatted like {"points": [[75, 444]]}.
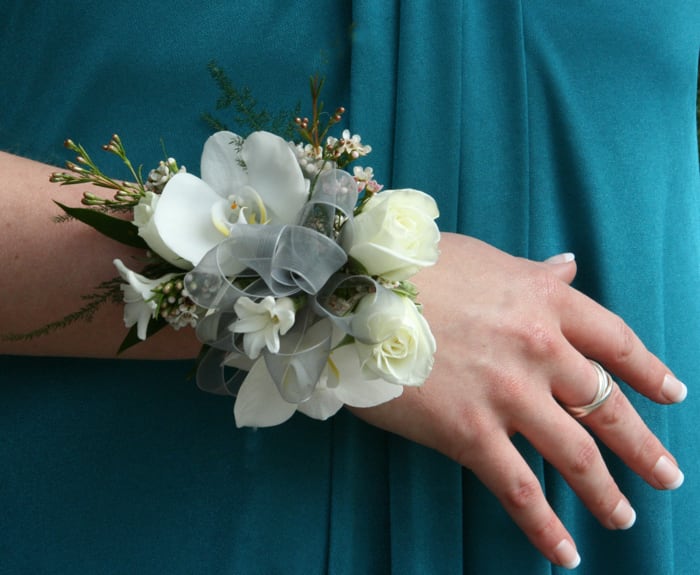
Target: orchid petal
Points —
{"points": [[183, 217], [258, 403], [324, 403], [275, 174], [220, 164], [143, 219]]}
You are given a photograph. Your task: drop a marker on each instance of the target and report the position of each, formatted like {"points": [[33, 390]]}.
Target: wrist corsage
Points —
{"points": [[293, 271]]}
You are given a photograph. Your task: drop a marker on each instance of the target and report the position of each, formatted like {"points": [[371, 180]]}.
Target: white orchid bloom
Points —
{"points": [[262, 323], [259, 403], [143, 220], [256, 181], [138, 293]]}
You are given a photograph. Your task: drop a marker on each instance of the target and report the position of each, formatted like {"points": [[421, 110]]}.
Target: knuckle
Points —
{"points": [[539, 341], [586, 457], [469, 439], [524, 494], [613, 413], [508, 388], [548, 524], [534, 338], [647, 451], [625, 342]]}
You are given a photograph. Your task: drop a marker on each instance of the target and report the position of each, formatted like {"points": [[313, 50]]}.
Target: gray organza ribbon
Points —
{"points": [[325, 306], [274, 260]]}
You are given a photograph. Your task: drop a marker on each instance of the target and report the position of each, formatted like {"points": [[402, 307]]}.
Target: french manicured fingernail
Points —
{"points": [[623, 517], [561, 258], [566, 554], [667, 473], [673, 390]]}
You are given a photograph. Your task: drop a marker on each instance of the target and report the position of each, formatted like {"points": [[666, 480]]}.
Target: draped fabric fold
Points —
{"points": [[491, 114]]}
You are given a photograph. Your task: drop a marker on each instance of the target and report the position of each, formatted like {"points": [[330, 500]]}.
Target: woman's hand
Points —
{"points": [[513, 341]]}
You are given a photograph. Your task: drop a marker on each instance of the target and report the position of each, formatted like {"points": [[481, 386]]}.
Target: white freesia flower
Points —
{"points": [[138, 293], [259, 403], [255, 180], [395, 235], [405, 347], [262, 323]]}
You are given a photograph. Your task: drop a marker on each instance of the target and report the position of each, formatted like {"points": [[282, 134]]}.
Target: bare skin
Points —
{"points": [[48, 266], [512, 346], [512, 343]]}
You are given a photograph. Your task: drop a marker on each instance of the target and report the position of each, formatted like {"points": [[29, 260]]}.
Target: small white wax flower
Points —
{"points": [[262, 323], [363, 174]]}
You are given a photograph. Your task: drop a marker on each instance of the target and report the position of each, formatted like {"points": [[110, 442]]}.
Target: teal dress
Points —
{"points": [[539, 126]]}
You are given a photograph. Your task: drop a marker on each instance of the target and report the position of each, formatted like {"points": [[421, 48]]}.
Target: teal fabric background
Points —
{"points": [[540, 127]]}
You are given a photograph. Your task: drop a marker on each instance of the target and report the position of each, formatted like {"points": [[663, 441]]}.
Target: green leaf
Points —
{"points": [[132, 338], [115, 228]]}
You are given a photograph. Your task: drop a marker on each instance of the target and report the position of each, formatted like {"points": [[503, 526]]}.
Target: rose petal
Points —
{"points": [[420, 200], [258, 403]]}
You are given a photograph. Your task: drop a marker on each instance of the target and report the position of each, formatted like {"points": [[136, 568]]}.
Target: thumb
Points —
{"points": [[563, 266]]}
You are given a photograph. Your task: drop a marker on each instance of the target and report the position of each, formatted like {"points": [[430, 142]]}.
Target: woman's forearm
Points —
{"points": [[47, 267]]}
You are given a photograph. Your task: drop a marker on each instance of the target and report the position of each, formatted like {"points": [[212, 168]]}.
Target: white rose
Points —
{"points": [[395, 235], [143, 219], [393, 339]]}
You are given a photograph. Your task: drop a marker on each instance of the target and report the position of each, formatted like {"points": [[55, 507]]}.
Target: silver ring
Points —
{"points": [[605, 387]]}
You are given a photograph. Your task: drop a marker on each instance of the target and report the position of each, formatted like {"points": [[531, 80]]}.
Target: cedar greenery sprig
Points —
{"points": [[246, 115], [107, 292]]}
